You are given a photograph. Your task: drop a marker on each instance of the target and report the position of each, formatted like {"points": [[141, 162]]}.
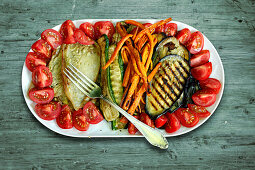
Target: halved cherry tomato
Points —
{"points": [[173, 124], [171, 29], [184, 35], [48, 111], [147, 120], [200, 58], [147, 25], [52, 37], [92, 114], [211, 83], [42, 48], [33, 60], [202, 72], [64, 120], [81, 38], [63, 30], [186, 117], [80, 121], [131, 128], [41, 96], [88, 29], [199, 110], [195, 43], [161, 121], [69, 35], [204, 97], [160, 29], [104, 27], [42, 77]]}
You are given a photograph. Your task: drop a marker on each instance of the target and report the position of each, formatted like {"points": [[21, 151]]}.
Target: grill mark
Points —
{"points": [[161, 94], [153, 105], [176, 86], [157, 101], [177, 79], [163, 89], [177, 68], [184, 68]]}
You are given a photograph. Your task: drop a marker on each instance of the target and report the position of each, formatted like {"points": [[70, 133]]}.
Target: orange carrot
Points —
{"points": [[126, 75], [150, 28], [134, 35], [124, 54], [135, 23], [145, 53], [154, 71], [122, 31], [151, 40], [116, 51]]}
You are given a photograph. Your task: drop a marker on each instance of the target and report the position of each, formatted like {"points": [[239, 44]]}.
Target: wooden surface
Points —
{"points": [[225, 141]]}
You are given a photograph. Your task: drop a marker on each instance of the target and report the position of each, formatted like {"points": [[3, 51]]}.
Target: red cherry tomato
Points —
{"points": [[33, 60], [63, 30], [204, 97], [92, 114], [104, 27], [41, 96], [211, 83], [173, 124], [195, 43], [200, 58], [88, 29], [80, 121], [160, 29], [52, 37], [171, 29], [42, 48], [199, 110], [147, 120], [147, 25], [184, 35], [131, 128], [69, 36], [202, 72], [48, 111], [81, 38], [161, 121], [64, 120], [42, 77], [186, 117]]}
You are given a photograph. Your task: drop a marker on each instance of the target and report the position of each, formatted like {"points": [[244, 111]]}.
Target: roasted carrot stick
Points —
{"points": [[124, 54], [150, 28], [126, 75], [135, 65], [135, 23], [151, 42], [116, 51], [154, 71], [145, 53], [134, 35], [120, 29]]}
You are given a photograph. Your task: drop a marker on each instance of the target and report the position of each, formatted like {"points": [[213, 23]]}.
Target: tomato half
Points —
{"points": [[199, 110], [200, 58], [202, 72], [173, 124], [42, 77], [33, 60], [104, 27], [204, 97], [81, 38], [184, 35], [171, 29], [211, 83], [160, 29], [195, 43], [63, 30], [161, 121], [69, 35], [92, 114], [80, 121], [64, 120], [131, 128], [42, 48], [88, 29], [186, 117], [52, 37], [48, 111], [41, 96], [147, 120]]}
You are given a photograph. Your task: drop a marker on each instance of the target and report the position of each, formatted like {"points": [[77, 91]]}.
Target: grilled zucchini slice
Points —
{"points": [[167, 86]]}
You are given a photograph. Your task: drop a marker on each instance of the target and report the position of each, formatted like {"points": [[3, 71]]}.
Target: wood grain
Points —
{"points": [[226, 141]]}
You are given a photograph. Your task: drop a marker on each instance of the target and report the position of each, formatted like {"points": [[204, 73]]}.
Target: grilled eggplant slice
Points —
{"points": [[168, 46], [167, 86]]}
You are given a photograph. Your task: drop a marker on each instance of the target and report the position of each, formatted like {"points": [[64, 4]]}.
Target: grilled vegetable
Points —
{"points": [[168, 46], [167, 86]]}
